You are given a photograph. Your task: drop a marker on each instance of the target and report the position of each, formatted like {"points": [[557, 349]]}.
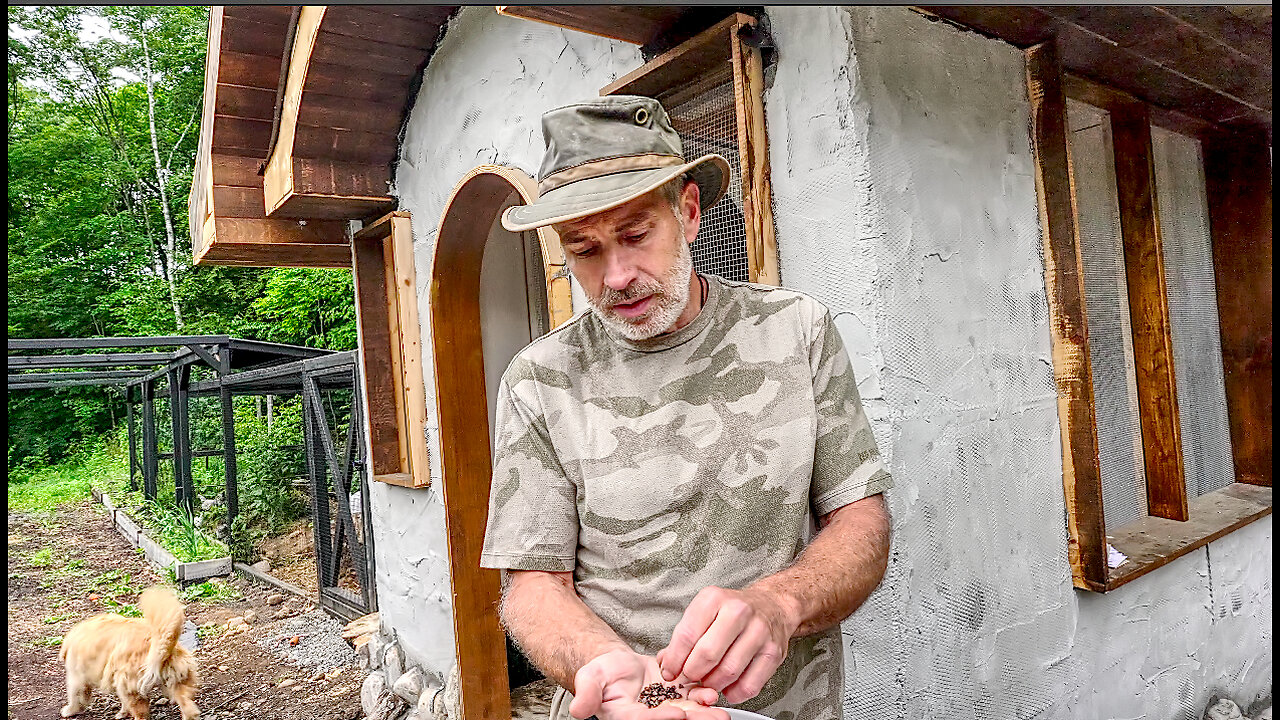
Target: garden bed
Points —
{"points": [[155, 553]]}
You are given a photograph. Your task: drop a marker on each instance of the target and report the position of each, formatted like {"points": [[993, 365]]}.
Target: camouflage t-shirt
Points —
{"points": [[652, 469]]}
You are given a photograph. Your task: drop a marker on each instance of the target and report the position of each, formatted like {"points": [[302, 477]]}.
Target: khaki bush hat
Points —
{"points": [[606, 152]]}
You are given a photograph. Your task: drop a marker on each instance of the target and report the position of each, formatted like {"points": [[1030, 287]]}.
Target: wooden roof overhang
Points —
{"points": [[1209, 67], [302, 113]]}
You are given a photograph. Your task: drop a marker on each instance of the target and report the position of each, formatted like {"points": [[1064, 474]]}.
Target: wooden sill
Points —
{"points": [[1151, 542]]}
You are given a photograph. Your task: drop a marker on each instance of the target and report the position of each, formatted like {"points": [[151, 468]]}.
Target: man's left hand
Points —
{"points": [[729, 640]]}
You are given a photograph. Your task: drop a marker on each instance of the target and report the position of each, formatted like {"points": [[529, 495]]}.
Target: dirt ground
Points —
{"points": [[71, 566]]}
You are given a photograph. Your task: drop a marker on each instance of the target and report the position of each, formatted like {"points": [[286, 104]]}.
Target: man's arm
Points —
{"points": [[734, 640], [574, 647], [553, 627]]}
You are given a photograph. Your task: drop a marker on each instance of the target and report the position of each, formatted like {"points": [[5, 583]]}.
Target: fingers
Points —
{"points": [[753, 678], [703, 695], [738, 657], [693, 624], [731, 620]]}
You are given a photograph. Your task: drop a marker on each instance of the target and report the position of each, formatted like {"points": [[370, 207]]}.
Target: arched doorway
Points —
{"points": [[486, 303]]}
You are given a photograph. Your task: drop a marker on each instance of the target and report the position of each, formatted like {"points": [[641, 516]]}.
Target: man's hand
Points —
{"points": [[609, 685], [731, 641]]}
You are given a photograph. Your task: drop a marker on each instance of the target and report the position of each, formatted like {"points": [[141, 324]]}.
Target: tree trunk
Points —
{"points": [[170, 236]]}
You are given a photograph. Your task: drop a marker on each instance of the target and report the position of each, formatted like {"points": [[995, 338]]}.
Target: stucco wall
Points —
{"points": [[481, 101], [904, 199]]}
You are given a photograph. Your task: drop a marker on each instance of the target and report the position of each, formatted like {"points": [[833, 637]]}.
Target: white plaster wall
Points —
{"points": [[904, 199], [481, 101]]}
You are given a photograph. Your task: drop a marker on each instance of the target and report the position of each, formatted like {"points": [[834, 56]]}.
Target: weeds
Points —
{"points": [[41, 558], [51, 641], [210, 591]]}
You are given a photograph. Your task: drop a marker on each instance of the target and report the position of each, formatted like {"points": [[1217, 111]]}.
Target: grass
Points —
{"points": [[41, 558], [210, 591]]}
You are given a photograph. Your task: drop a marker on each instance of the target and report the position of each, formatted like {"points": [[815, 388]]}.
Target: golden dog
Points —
{"points": [[132, 656]]}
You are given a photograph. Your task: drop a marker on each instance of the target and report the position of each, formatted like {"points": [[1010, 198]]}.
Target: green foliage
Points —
{"points": [[112, 585], [210, 591], [90, 251], [41, 558], [43, 490], [176, 531]]}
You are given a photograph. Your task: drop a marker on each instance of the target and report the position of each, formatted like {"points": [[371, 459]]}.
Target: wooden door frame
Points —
{"points": [[462, 411]]}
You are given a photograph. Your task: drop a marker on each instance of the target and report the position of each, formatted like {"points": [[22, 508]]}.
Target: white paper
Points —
{"points": [[1115, 558]]}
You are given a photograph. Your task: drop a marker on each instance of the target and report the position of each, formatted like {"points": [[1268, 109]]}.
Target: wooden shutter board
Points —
{"points": [[682, 64], [1238, 187], [375, 335], [1064, 285], [1149, 312]]}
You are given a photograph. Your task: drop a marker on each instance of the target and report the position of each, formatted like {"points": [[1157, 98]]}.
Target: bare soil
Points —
{"points": [[56, 578]]}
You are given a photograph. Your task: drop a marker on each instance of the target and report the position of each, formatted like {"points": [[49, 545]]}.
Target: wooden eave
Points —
{"points": [[1204, 69], [352, 76]]}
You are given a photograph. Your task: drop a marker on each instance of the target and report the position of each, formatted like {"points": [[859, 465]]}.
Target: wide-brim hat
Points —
{"points": [[603, 153]]}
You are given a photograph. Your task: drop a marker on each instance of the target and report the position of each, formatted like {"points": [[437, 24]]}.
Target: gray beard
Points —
{"points": [[670, 298]]}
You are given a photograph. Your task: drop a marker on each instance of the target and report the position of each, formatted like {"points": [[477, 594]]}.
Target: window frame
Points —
{"points": [[391, 350], [1174, 525], [702, 62]]}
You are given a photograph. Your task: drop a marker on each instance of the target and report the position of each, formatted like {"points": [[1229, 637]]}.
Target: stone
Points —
{"points": [[251, 616], [373, 688], [275, 599], [409, 685], [236, 621], [1221, 708], [160, 701], [362, 656], [451, 698], [262, 566], [392, 663], [376, 645], [429, 701]]}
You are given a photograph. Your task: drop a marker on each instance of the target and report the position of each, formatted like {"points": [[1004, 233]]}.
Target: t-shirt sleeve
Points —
{"points": [[533, 514], [846, 464]]}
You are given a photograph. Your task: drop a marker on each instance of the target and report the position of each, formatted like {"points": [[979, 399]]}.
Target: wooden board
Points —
{"points": [[463, 417], [1069, 330], [331, 207], [375, 355], [753, 151], [1149, 312], [681, 65], [1238, 187], [638, 24], [1153, 542], [412, 381]]}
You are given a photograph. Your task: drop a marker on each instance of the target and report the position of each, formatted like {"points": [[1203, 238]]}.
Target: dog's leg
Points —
{"points": [[138, 706], [78, 695], [183, 696]]}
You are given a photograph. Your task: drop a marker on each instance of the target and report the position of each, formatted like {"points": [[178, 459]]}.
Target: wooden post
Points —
{"points": [[319, 486], [183, 490], [133, 440], [228, 439], [1238, 178], [1149, 311], [150, 459], [1069, 329]]}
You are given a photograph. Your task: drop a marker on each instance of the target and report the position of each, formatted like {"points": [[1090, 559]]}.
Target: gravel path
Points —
{"points": [[320, 645]]}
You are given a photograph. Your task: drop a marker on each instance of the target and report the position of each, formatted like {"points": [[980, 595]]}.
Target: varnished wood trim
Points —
{"points": [[753, 152], [1068, 323], [1154, 542], [1149, 311]]}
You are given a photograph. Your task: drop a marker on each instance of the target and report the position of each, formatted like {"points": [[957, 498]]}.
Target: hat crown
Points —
{"points": [[611, 127]]}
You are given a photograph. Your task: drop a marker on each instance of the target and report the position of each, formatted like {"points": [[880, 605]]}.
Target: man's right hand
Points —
{"points": [[609, 685]]}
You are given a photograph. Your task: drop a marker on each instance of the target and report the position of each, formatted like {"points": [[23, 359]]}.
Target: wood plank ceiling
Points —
{"points": [[1212, 64]]}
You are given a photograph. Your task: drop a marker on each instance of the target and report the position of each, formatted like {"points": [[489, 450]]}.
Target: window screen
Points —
{"points": [[1115, 390], [707, 123], [1193, 312]]}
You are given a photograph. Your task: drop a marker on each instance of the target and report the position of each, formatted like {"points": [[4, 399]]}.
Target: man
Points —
{"points": [[664, 461]]}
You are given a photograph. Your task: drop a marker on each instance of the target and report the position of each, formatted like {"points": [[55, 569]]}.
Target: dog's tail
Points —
{"points": [[164, 613]]}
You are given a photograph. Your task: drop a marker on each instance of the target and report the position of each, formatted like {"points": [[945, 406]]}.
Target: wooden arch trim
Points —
{"points": [[462, 411]]}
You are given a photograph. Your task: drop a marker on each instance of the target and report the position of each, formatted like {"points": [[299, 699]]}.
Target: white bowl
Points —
{"points": [[735, 714]]}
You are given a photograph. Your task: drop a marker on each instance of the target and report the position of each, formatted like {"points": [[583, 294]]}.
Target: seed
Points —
{"points": [[655, 694]]}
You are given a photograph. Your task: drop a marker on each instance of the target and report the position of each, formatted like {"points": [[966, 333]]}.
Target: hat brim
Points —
{"points": [[595, 195]]}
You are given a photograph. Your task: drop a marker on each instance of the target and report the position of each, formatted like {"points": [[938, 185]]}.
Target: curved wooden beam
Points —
{"points": [[463, 415]]}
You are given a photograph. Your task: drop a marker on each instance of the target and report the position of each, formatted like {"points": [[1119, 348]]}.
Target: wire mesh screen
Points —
{"points": [[1193, 312], [1115, 391], [707, 123]]}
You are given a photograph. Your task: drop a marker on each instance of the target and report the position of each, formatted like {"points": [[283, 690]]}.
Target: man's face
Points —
{"points": [[633, 262]]}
